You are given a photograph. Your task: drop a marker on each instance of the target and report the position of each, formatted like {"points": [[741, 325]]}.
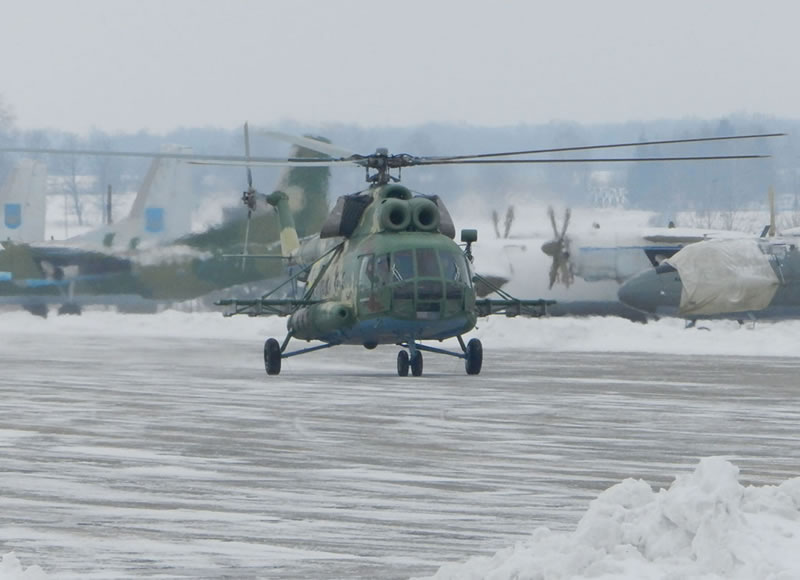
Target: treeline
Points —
{"points": [[669, 187]]}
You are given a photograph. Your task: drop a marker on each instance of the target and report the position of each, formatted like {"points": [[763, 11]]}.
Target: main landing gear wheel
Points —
{"points": [[473, 359], [272, 356], [37, 309], [402, 363], [69, 308], [416, 363]]}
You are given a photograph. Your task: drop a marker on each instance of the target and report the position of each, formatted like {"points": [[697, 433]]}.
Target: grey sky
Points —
{"points": [[156, 65]]}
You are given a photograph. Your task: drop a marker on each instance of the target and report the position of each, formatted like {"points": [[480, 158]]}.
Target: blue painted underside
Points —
{"points": [[389, 330], [47, 282]]}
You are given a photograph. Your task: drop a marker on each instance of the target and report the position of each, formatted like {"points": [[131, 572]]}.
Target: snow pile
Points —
{"points": [[665, 336], [171, 323], [557, 334], [11, 569], [706, 525]]}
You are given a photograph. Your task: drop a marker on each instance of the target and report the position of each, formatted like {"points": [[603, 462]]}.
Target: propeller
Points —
{"points": [[509, 221], [249, 196], [558, 249]]}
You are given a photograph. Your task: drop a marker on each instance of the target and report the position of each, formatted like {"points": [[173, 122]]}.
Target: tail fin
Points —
{"points": [[289, 241], [307, 188], [22, 201], [162, 210]]}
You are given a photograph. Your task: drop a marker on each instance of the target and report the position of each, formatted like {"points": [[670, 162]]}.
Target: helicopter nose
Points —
{"points": [[652, 290], [550, 248]]}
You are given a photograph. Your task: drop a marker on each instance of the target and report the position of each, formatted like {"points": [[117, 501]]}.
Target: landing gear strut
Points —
{"points": [[471, 352]]}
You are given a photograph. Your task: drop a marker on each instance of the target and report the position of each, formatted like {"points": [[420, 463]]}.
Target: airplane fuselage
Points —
{"points": [[764, 282]]}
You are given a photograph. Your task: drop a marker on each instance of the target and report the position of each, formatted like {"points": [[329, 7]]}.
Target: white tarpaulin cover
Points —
{"points": [[721, 276]]}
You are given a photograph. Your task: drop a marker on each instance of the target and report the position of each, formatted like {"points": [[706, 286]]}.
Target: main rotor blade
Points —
{"points": [[237, 160], [610, 146], [424, 161], [308, 143]]}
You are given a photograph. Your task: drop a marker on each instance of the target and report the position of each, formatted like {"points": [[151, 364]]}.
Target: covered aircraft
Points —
{"points": [[583, 271], [758, 277]]}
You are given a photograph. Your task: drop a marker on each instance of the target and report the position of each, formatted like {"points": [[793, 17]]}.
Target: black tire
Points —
{"points": [[272, 356], [402, 363], [416, 363], [474, 357], [69, 308]]}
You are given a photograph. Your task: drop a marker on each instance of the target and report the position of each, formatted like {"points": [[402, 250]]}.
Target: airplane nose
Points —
{"points": [[647, 290]]}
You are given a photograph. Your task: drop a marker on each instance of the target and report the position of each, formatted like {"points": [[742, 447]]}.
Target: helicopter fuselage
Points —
{"points": [[387, 288]]}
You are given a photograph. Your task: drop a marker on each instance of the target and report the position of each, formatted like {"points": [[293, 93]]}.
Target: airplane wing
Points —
{"points": [[686, 236], [512, 307]]}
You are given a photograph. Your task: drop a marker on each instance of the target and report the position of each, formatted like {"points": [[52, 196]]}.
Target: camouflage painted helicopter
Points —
{"points": [[385, 268]]}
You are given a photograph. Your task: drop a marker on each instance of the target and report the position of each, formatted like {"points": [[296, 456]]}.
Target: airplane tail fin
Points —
{"points": [[22, 201], [162, 210]]}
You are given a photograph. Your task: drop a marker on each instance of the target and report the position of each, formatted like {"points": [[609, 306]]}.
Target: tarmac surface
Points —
{"points": [[180, 458]]}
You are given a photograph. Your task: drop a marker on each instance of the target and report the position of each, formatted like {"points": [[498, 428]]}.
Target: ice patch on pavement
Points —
{"points": [[706, 525]]}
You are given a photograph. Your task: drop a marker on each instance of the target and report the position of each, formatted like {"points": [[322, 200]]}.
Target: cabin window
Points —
{"points": [[427, 263], [366, 274], [382, 271], [403, 266]]}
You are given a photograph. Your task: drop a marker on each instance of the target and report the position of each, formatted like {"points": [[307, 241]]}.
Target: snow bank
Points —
{"points": [[666, 336], [557, 334], [11, 569], [706, 525], [170, 323]]}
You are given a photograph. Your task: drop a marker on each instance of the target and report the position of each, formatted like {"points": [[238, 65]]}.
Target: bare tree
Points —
{"points": [[71, 165]]}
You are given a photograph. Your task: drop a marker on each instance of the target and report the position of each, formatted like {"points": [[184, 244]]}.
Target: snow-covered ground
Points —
{"points": [[155, 446]]}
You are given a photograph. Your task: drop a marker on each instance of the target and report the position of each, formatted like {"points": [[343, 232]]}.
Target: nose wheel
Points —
{"points": [[406, 362], [402, 363]]}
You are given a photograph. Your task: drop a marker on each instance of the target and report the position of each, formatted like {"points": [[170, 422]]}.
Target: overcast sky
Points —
{"points": [[156, 65]]}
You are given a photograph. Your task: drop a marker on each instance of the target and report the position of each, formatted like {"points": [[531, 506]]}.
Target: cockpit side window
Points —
{"points": [[366, 273], [454, 267]]}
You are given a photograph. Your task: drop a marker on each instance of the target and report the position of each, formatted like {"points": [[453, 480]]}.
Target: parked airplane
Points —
{"points": [[22, 199], [160, 213], [113, 266], [583, 271], [746, 277]]}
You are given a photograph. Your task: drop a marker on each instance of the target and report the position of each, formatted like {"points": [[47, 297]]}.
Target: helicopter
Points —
{"points": [[385, 268]]}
